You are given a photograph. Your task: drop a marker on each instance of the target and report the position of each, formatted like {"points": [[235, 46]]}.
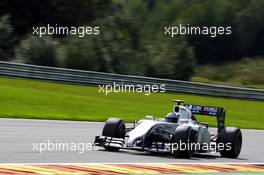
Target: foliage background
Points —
{"points": [[132, 39]]}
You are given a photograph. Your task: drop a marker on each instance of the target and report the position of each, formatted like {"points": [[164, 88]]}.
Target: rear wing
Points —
{"points": [[219, 112]]}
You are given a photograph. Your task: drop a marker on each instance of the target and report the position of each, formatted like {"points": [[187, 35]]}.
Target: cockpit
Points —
{"points": [[180, 113], [183, 112]]}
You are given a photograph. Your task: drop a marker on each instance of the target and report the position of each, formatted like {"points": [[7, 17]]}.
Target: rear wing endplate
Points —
{"points": [[219, 112]]}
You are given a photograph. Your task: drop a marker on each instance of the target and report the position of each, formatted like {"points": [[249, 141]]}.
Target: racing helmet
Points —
{"points": [[172, 117]]}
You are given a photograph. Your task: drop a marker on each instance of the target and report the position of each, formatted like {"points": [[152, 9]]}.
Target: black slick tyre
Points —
{"points": [[231, 140], [115, 128]]}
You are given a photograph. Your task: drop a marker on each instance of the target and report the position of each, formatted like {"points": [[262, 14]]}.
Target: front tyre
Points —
{"points": [[114, 127], [183, 140], [231, 139]]}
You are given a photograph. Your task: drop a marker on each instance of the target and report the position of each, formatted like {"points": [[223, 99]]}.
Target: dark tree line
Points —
{"points": [[132, 39]]}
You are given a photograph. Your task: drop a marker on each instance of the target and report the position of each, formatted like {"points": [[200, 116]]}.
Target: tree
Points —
{"points": [[26, 14], [250, 28], [175, 61], [82, 54], [39, 51], [6, 38], [111, 51]]}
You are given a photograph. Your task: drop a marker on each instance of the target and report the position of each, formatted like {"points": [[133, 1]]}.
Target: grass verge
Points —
{"points": [[245, 73], [43, 100]]}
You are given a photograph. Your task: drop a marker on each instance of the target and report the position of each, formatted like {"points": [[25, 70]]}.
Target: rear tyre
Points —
{"points": [[183, 138], [116, 128], [231, 138]]}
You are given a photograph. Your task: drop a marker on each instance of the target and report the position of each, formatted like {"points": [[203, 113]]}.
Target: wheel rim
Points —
{"points": [[238, 144]]}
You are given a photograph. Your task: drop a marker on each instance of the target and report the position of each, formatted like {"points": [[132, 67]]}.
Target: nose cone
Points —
{"points": [[140, 131]]}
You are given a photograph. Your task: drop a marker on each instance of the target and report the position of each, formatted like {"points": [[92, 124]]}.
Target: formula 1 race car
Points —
{"points": [[178, 133]]}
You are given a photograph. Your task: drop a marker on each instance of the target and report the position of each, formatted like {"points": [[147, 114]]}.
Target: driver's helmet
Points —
{"points": [[172, 117]]}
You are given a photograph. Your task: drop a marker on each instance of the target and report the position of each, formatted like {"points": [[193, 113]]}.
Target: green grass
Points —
{"points": [[246, 73], [42, 100]]}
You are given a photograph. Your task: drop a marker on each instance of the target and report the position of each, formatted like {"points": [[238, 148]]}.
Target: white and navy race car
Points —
{"points": [[179, 133]]}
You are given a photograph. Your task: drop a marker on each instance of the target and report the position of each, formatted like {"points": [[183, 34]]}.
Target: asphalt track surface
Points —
{"points": [[18, 135]]}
